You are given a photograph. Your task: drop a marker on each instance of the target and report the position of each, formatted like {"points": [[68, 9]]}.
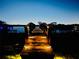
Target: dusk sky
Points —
{"points": [[25, 11]]}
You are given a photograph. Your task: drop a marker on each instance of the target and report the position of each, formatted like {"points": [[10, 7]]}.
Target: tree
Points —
{"points": [[2, 22], [31, 27], [43, 26]]}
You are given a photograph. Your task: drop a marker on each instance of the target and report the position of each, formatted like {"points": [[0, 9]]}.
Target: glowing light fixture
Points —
{"points": [[59, 57], [13, 56]]}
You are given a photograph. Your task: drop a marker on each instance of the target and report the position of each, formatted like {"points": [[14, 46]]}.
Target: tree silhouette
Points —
{"points": [[2, 22], [43, 26], [31, 27]]}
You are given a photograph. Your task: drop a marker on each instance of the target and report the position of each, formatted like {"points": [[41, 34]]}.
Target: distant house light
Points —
{"points": [[1, 27]]}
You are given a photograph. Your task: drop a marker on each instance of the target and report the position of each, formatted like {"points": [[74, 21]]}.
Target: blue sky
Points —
{"points": [[25, 11]]}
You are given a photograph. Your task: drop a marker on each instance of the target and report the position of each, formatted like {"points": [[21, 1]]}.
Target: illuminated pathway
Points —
{"points": [[37, 44]]}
